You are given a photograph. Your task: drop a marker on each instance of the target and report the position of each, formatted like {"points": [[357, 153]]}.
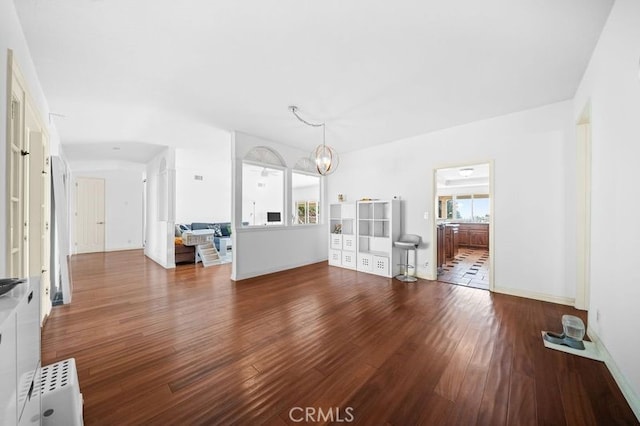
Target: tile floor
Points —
{"points": [[470, 267]]}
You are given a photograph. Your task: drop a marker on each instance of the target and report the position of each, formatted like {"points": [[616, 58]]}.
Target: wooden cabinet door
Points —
{"points": [[456, 241], [463, 236], [479, 239], [441, 249]]}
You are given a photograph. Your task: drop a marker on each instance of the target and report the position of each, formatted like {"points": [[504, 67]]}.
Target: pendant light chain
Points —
{"points": [[325, 157]]}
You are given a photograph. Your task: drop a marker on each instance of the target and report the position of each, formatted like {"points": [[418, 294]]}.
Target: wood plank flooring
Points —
{"points": [[189, 346]]}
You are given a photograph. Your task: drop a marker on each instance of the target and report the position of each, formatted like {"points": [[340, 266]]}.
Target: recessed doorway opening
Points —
{"points": [[463, 225]]}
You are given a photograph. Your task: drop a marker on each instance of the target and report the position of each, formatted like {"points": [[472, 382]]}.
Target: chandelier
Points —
{"points": [[325, 157]]}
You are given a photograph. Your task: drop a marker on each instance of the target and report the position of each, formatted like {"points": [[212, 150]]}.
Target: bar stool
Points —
{"points": [[407, 242]]}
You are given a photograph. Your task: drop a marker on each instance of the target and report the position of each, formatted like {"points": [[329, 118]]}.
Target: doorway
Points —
{"points": [[583, 208], [90, 224], [463, 225], [28, 189]]}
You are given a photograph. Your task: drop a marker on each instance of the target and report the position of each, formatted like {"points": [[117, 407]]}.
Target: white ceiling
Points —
{"points": [[167, 72], [451, 178]]}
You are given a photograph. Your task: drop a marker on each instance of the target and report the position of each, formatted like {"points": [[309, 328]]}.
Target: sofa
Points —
{"points": [[221, 230]]}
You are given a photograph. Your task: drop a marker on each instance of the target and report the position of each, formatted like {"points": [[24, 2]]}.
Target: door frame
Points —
{"points": [[583, 208], [433, 270]]}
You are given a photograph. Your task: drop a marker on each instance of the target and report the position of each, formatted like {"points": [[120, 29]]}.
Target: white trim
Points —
{"points": [[536, 296], [165, 266], [277, 269], [627, 390], [122, 249]]}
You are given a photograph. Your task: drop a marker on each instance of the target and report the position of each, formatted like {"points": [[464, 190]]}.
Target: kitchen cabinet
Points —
{"points": [[473, 235], [463, 236], [451, 242], [441, 251]]}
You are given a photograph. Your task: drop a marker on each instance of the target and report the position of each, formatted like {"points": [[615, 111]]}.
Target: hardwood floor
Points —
{"points": [[189, 346]]}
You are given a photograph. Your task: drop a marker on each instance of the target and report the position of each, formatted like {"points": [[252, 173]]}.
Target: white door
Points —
{"points": [[17, 187], [89, 215], [39, 214]]}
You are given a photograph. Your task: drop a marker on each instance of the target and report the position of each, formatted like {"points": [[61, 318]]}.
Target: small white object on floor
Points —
{"points": [[590, 349]]}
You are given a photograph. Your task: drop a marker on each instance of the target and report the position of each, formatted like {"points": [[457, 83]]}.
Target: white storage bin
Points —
{"points": [[348, 259], [335, 257], [61, 397], [381, 265], [349, 242], [336, 241], [365, 262]]}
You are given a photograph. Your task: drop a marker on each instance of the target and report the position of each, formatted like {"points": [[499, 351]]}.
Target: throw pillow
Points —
{"points": [[226, 230], [216, 230]]}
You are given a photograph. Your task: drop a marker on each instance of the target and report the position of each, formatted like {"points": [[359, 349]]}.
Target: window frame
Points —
{"points": [[283, 189]]}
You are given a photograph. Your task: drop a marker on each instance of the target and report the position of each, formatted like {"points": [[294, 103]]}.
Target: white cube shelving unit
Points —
{"points": [[342, 235], [378, 226]]}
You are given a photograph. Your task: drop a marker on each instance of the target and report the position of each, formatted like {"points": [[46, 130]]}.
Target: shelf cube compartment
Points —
{"points": [[365, 210], [365, 262], [348, 226], [349, 259], [349, 242], [381, 228], [336, 241], [335, 257], [365, 227], [380, 265], [335, 211]]}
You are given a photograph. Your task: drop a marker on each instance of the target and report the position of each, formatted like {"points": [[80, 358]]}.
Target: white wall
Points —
{"points": [[527, 148], [123, 202], [261, 250], [160, 215], [209, 199], [612, 84], [11, 37]]}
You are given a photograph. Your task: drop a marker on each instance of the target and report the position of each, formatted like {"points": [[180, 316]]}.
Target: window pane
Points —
{"points": [[481, 208], [305, 190], [463, 207], [313, 212], [301, 216], [262, 192], [449, 208]]}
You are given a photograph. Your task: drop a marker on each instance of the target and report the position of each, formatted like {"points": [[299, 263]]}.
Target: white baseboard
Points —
{"points": [[159, 262], [123, 249], [627, 391], [252, 274], [536, 296]]}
